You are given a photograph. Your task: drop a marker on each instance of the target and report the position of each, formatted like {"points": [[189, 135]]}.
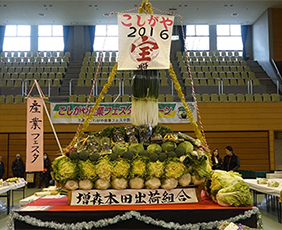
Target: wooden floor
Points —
{"points": [[270, 221]]}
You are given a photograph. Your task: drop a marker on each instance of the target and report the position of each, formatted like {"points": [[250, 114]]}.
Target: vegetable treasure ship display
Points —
{"points": [[143, 156]]}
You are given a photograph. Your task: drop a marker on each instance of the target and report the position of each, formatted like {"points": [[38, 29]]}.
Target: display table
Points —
{"points": [[264, 189], [5, 191], [44, 213]]}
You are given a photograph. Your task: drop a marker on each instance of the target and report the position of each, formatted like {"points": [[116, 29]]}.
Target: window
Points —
{"points": [[50, 38], [106, 38], [17, 38], [197, 37], [229, 37]]}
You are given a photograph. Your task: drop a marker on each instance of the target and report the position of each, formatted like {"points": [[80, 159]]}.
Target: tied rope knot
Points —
{"points": [[146, 7]]}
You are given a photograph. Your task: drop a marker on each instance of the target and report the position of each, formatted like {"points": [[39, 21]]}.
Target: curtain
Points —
{"points": [[66, 30], [181, 36], [244, 33], [2, 35], [91, 36]]}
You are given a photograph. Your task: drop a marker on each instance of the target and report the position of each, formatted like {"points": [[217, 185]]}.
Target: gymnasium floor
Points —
{"points": [[269, 218]]}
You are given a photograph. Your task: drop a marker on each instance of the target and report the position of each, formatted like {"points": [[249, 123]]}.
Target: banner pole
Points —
{"points": [[47, 113]]}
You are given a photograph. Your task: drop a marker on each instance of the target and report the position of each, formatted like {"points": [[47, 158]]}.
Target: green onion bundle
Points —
{"points": [[145, 92]]}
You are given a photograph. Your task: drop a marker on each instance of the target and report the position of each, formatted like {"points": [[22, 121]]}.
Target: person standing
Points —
{"points": [[231, 162], [45, 176], [2, 168], [18, 167], [216, 160]]}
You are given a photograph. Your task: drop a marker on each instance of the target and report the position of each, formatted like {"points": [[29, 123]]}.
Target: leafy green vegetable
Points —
{"points": [[162, 130], [168, 146], [87, 170], [129, 155], [174, 168], [236, 194], [136, 148], [162, 157], [154, 148], [73, 155], [120, 147], [138, 168], [272, 183], [104, 168], [107, 132], [83, 155], [221, 179], [153, 157], [261, 180], [155, 169], [229, 189], [121, 169], [187, 146], [64, 169], [94, 156]]}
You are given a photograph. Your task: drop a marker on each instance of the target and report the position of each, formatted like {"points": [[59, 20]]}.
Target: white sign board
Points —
{"points": [[144, 41], [133, 196]]}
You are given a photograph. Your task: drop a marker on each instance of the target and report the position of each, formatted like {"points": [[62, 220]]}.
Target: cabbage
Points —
{"points": [[272, 183], [154, 148], [174, 169], [229, 189], [221, 179], [187, 146], [236, 194], [168, 146], [261, 180], [138, 168], [136, 148], [155, 169], [64, 169], [104, 168], [121, 169], [120, 148], [87, 170]]}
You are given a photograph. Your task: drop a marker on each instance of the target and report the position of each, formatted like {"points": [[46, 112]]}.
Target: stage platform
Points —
{"points": [[56, 213]]}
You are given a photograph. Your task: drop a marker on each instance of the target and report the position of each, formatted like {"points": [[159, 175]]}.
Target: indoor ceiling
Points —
{"points": [[82, 12]]}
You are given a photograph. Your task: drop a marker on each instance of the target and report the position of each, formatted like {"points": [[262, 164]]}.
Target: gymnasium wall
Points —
{"points": [[247, 127]]}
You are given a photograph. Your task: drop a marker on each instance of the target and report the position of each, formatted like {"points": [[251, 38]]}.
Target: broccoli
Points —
{"points": [[83, 155]]}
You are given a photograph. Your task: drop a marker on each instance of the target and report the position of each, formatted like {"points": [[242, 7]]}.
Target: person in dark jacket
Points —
{"points": [[2, 168], [18, 167], [231, 162], [216, 160], [45, 176]]}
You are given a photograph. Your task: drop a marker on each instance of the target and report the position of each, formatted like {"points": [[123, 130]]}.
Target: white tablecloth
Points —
{"points": [[263, 188]]}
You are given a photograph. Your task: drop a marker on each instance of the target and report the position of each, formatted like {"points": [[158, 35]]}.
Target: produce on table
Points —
{"points": [[229, 189], [261, 180], [272, 183]]}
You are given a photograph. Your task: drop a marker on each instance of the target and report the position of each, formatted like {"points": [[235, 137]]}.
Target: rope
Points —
{"points": [[189, 72], [146, 7]]}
